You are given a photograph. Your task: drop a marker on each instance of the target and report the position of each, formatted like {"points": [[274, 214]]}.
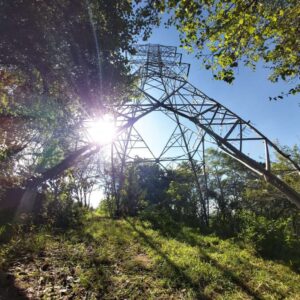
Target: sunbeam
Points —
{"points": [[101, 130]]}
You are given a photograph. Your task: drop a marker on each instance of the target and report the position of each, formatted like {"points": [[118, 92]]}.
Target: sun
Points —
{"points": [[101, 130]]}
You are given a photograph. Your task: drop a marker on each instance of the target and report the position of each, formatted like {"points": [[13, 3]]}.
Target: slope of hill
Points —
{"points": [[131, 259]]}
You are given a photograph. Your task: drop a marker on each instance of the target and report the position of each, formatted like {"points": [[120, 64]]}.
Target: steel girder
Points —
{"points": [[162, 86]]}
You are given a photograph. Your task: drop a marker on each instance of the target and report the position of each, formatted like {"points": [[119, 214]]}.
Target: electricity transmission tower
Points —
{"points": [[199, 122]]}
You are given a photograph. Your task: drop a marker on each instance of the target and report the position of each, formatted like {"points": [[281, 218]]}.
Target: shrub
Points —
{"points": [[271, 238]]}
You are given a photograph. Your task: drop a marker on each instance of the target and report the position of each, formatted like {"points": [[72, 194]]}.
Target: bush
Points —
{"points": [[60, 213], [271, 238], [223, 227], [162, 220]]}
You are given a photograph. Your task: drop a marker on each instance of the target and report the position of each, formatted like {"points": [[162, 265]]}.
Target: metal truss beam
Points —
{"points": [[198, 119]]}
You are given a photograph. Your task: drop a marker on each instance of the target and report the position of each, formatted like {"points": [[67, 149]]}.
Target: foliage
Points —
{"points": [[71, 48], [60, 61], [60, 212], [148, 186], [226, 34], [183, 195], [142, 185], [272, 238], [132, 193], [52, 206], [239, 205], [154, 181], [227, 180]]}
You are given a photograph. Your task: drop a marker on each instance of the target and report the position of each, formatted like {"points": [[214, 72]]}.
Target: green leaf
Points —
{"points": [[251, 29]]}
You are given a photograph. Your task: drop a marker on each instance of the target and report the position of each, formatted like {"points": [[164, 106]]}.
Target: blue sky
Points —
{"points": [[247, 96]]}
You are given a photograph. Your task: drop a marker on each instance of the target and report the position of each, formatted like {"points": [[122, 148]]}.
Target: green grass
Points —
{"points": [[131, 259]]}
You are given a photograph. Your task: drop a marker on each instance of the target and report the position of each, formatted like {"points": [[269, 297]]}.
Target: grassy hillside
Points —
{"points": [[131, 259]]}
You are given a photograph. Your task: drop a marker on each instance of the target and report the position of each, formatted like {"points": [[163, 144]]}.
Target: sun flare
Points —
{"points": [[102, 130]]}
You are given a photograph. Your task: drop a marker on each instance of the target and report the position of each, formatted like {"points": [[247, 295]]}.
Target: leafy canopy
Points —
{"points": [[60, 61], [71, 48], [227, 33]]}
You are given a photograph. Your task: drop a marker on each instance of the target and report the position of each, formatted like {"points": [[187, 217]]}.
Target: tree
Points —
{"points": [[184, 199], [263, 199], [227, 181], [60, 62], [154, 181], [142, 185], [84, 180], [226, 34], [72, 48], [132, 194]]}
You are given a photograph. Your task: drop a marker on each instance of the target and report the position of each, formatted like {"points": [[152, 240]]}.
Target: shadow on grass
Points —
{"points": [[181, 274], [281, 254], [179, 235], [8, 288], [89, 240]]}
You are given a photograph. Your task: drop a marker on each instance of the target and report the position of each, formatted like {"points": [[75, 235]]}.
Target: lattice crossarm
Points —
{"points": [[164, 88], [240, 156]]}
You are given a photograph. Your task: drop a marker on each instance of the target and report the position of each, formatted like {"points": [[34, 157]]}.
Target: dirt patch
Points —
{"points": [[143, 261]]}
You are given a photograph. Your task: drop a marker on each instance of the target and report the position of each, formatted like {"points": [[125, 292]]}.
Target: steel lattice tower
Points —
{"points": [[162, 86]]}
